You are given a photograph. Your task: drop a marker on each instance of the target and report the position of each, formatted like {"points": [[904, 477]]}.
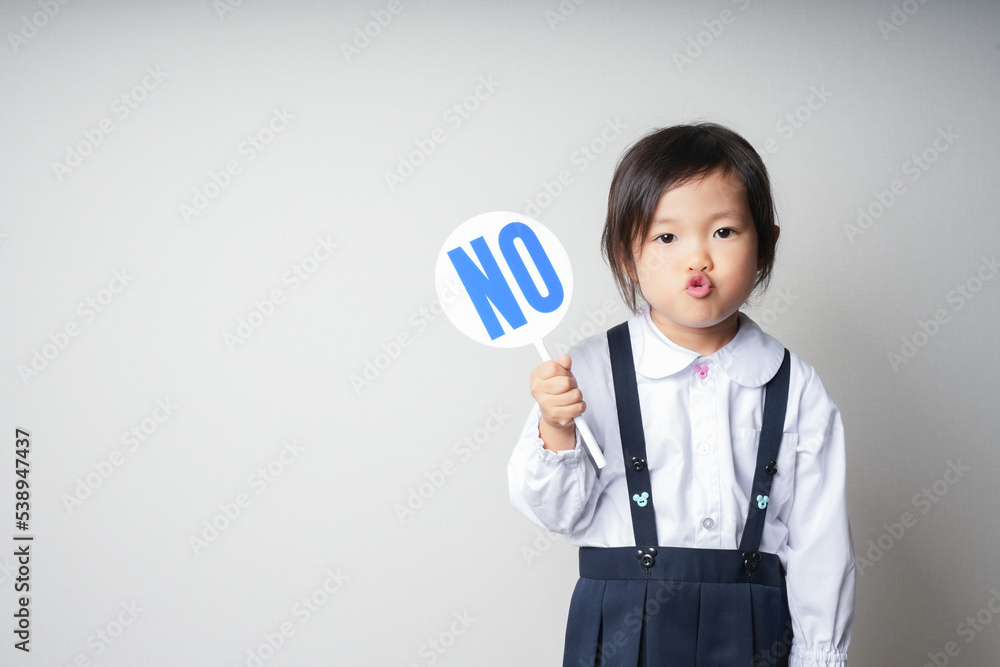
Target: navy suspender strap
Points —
{"points": [[633, 440], [634, 446], [718, 606], [775, 401]]}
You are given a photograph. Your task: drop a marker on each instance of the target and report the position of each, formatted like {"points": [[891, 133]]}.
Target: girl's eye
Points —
{"points": [[725, 232], [666, 238]]}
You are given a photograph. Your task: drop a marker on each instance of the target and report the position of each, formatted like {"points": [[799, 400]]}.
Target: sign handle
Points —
{"points": [[581, 425]]}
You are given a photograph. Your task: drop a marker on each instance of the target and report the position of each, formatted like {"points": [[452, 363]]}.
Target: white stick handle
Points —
{"points": [[581, 425]]}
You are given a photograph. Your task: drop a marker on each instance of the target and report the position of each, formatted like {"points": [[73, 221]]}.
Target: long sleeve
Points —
{"points": [[552, 489], [820, 568]]}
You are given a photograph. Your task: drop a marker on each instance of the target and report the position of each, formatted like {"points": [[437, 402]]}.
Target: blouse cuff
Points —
{"points": [[801, 657], [547, 457], [567, 457]]}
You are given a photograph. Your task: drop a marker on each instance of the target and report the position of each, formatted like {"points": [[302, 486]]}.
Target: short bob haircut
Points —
{"points": [[663, 160]]}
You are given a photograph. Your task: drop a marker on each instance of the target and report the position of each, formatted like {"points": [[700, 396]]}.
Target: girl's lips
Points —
{"points": [[699, 285]]}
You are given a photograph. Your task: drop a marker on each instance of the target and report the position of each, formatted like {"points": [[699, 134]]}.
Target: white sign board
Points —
{"points": [[516, 275], [516, 281]]}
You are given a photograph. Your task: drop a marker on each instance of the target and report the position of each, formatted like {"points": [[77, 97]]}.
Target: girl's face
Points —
{"points": [[698, 263]]}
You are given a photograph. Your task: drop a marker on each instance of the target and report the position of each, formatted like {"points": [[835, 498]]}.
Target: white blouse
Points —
{"points": [[701, 433]]}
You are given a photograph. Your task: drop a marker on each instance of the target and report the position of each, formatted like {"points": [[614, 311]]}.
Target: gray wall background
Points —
{"points": [[842, 99]]}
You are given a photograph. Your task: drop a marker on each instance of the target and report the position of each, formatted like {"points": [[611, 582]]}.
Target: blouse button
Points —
{"points": [[708, 523], [701, 371], [704, 448]]}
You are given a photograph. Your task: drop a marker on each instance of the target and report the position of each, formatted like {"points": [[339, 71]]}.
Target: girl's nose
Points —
{"points": [[700, 259]]}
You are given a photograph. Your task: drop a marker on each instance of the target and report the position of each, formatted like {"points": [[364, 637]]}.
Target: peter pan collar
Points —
{"points": [[751, 358]]}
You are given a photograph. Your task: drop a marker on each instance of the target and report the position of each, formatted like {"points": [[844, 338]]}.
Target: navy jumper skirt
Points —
{"points": [[652, 605]]}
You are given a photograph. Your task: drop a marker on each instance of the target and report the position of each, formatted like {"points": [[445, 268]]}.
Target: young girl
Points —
{"points": [[717, 534]]}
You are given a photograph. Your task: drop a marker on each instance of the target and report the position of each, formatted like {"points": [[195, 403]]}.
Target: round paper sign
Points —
{"points": [[504, 279]]}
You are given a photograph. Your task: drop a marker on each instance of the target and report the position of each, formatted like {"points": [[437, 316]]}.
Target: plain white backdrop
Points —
{"points": [[255, 439]]}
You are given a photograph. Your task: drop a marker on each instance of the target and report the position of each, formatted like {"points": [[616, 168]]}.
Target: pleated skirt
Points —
{"points": [[692, 608]]}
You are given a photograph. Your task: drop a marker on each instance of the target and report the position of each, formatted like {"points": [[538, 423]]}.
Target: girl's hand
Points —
{"points": [[554, 389]]}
